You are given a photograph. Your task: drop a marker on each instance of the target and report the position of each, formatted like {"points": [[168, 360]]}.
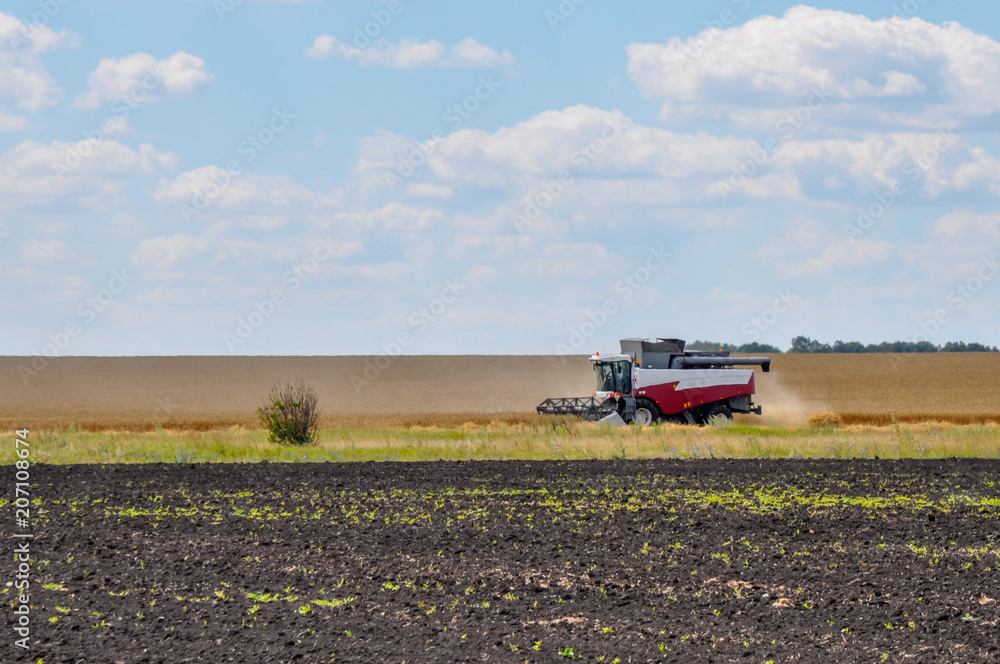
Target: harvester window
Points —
{"points": [[614, 377]]}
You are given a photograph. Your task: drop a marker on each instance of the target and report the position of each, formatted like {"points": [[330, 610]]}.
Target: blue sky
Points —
{"points": [[199, 177]]}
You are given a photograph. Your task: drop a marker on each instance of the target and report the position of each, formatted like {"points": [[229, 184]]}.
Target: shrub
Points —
{"points": [[290, 414]]}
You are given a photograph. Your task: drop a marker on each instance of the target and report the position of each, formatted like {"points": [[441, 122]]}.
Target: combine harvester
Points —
{"points": [[652, 381]]}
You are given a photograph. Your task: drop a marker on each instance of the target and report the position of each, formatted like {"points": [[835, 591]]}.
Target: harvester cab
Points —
{"points": [[614, 375], [659, 380]]}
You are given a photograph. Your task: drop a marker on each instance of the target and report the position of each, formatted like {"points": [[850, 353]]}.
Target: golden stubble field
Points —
{"points": [[141, 393]]}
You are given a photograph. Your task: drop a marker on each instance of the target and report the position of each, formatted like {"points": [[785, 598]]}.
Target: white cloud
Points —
{"points": [[209, 257], [389, 273], [16, 36], [45, 252], [25, 84], [116, 124], [247, 192], [29, 177], [489, 247], [588, 141], [955, 247], [614, 162], [140, 77], [898, 84], [811, 248], [396, 216], [568, 261], [470, 53], [862, 66], [12, 122], [167, 252], [322, 46], [54, 227], [983, 167], [411, 53], [968, 228], [842, 256], [610, 162], [783, 185], [430, 191], [931, 159], [48, 285]]}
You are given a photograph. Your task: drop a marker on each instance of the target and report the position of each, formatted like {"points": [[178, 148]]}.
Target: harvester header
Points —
{"points": [[659, 380]]}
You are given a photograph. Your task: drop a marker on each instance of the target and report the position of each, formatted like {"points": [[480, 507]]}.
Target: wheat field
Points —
{"points": [[960, 388], [202, 393]]}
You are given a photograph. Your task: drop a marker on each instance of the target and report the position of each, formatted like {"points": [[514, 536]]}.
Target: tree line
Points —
{"points": [[807, 345]]}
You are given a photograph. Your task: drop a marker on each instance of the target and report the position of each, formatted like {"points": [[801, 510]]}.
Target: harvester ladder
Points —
{"points": [[629, 408]]}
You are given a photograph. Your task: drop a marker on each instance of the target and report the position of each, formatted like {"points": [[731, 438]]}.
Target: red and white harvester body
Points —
{"points": [[652, 381]]}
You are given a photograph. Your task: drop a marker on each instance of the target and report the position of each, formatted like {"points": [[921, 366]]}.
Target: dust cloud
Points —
{"points": [[783, 406]]}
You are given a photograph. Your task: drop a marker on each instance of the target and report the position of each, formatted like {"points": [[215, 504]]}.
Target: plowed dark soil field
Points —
{"points": [[665, 561]]}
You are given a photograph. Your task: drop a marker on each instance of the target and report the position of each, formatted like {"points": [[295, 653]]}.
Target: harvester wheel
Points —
{"points": [[646, 412], [716, 410]]}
